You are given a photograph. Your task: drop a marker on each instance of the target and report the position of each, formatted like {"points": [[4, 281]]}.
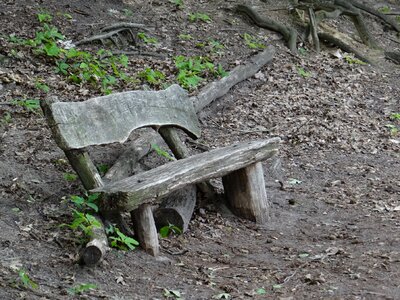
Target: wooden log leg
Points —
{"points": [[246, 194], [145, 229]]}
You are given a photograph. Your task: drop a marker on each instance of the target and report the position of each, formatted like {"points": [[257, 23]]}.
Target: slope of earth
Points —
{"points": [[333, 232]]}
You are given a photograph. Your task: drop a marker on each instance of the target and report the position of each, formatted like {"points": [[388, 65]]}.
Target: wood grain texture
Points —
{"points": [[246, 194], [112, 118], [145, 187]]}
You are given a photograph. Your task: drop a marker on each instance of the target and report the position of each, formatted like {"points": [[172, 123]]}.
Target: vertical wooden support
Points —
{"points": [[145, 229], [246, 194], [314, 29]]}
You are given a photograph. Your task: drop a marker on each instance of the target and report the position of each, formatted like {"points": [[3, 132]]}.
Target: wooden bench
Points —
{"points": [[111, 119]]}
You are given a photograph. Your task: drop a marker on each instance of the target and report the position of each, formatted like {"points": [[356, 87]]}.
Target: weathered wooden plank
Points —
{"points": [[145, 187], [246, 194], [112, 118]]}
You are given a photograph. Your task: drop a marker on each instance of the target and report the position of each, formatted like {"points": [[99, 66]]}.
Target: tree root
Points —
{"points": [[288, 33], [115, 34]]}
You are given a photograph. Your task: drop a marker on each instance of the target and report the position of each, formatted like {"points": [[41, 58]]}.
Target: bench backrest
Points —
{"points": [[112, 118]]}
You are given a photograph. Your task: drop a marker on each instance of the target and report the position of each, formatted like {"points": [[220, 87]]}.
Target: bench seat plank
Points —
{"points": [[129, 193], [109, 119]]}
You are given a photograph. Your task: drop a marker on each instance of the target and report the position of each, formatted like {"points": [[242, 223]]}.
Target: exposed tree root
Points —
{"points": [[288, 33]]}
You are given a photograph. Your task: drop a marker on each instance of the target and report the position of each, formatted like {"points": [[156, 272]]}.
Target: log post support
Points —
{"points": [[145, 229], [246, 194]]}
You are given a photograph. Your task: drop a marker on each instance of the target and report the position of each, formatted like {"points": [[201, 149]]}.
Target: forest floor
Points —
{"points": [[334, 227]]}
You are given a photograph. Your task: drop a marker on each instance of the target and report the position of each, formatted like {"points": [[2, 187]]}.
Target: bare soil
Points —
{"points": [[334, 228]]}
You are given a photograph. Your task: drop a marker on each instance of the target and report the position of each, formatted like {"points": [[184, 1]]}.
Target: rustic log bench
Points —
{"points": [[111, 119]]}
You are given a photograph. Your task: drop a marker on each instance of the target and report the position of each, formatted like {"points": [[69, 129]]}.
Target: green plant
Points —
{"points": [[194, 17], [26, 280], [252, 42], [70, 176], [32, 105], [153, 77], [81, 288], [102, 168], [167, 230], [384, 9], [178, 3], [302, 51], [127, 12], [192, 70], [395, 116], [7, 118], [44, 17], [90, 202], [303, 73], [351, 60], [215, 46], [161, 152], [120, 240], [393, 129], [185, 37], [83, 222], [147, 40], [42, 86]]}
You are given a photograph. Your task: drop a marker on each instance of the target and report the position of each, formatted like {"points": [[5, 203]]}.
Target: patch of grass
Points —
{"points": [[192, 70], [81, 288], [195, 17], [127, 12], [252, 42], [70, 176], [351, 60], [162, 152], [146, 39], [42, 86], [395, 116], [185, 37], [44, 17], [26, 280], [178, 3], [169, 229], [6, 118], [32, 105], [303, 73], [384, 9], [153, 77]]}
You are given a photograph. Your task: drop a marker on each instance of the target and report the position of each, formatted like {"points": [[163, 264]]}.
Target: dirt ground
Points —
{"points": [[334, 227]]}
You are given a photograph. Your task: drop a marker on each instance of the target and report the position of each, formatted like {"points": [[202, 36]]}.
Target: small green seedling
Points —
{"points": [[162, 152], [252, 42], [127, 12], [167, 230], [102, 168], [178, 3], [261, 291], [32, 105], [303, 73], [302, 51], [83, 222], [153, 77], [395, 116], [81, 288], [26, 280], [185, 37], [7, 118], [42, 86], [384, 9], [44, 17], [120, 240], [172, 294], [194, 17], [393, 129], [70, 176], [147, 40], [90, 202], [351, 60]]}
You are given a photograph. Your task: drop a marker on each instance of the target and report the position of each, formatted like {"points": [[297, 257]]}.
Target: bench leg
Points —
{"points": [[246, 194], [145, 229]]}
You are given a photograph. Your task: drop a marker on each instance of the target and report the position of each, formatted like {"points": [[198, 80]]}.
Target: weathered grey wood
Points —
{"points": [[176, 208], [96, 248], [112, 118], [171, 137], [145, 229], [246, 194], [314, 29], [145, 187]]}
